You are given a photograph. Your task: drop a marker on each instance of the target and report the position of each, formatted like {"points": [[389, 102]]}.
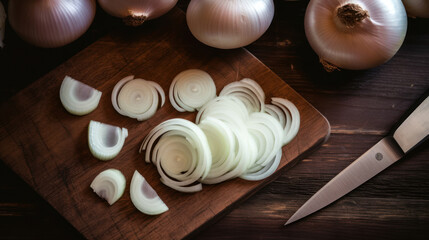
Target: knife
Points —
{"points": [[410, 131]]}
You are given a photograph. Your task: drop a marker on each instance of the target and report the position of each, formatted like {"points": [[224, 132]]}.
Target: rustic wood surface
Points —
{"points": [[360, 105], [47, 147]]}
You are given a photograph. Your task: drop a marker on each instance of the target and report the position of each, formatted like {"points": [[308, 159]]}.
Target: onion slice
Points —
{"points": [[144, 197], [293, 121], [109, 185], [178, 143], [137, 98], [248, 91], [191, 89], [105, 141], [77, 97], [262, 172]]}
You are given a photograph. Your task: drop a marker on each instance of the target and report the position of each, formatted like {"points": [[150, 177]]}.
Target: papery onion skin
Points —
{"points": [[51, 23], [229, 24], [372, 42], [417, 8], [147, 9]]}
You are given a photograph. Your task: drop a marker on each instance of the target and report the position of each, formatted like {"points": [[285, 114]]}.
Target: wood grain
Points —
{"points": [[47, 147]]}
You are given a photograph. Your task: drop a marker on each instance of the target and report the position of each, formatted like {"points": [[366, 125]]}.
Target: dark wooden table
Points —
{"points": [[361, 106]]}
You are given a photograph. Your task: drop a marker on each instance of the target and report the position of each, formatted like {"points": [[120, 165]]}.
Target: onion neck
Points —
{"points": [[351, 14], [134, 19]]}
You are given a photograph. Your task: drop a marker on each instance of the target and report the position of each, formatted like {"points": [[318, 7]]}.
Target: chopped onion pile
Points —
{"points": [[235, 135], [109, 185], [191, 89], [144, 197], [105, 141], [77, 97], [137, 98]]}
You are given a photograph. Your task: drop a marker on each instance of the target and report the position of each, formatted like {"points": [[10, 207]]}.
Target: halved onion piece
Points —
{"points": [[109, 185], [105, 141], [137, 98], [293, 121], [191, 89], [77, 97], [144, 197]]}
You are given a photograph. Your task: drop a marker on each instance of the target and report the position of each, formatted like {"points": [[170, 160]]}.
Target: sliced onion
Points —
{"points": [[248, 91], [245, 155], [182, 143], [105, 141], [109, 185], [228, 109], [77, 97], [137, 98], [260, 172], [191, 89], [238, 133], [268, 134], [144, 197], [293, 121], [222, 145]]}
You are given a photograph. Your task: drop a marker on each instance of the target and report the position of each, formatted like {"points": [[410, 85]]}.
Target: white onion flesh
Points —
{"points": [[241, 137], [137, 98], [229, 24], [77, 97], [109, 185], [144, 197], [191, 89], [51, 23], [417, 8], [135, 12], [358, 44], [260, 172], [2, 24], [293, 118], [179, 143], [248, 91], [105, 141]]}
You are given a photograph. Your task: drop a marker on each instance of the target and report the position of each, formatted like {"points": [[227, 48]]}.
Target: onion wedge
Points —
{"points": [[144, 197], [105, 141], [137, 98], [191, 89], [109, 185], [77, 97]]}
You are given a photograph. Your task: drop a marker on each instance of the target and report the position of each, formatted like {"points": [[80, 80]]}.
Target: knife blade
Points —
{"points": [[411, 131]]}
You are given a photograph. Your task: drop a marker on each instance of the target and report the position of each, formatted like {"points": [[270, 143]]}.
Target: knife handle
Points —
{"points": [[413, 127]]}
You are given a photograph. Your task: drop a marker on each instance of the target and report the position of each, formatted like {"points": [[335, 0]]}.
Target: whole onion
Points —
{"points": [[417, 8], [229, 24], [135, 12], [355, 34], [51, 23]]}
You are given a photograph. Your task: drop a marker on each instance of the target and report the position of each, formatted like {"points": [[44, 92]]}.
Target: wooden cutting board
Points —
{"points": [[48, 147]]}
